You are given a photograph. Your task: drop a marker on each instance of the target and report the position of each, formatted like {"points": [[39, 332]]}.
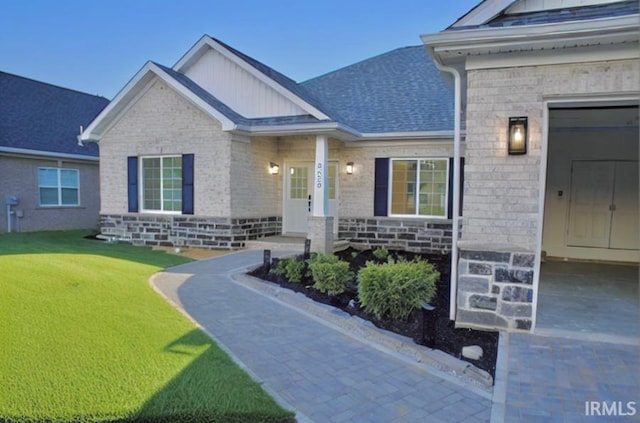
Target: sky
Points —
{"points": [[98, 46]]}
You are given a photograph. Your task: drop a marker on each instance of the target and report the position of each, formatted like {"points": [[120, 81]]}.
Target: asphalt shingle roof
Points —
{"points": [[399, 91], [581, 13], [39, 116]]}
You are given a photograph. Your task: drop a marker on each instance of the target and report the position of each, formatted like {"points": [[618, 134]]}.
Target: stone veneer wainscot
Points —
{"points": [[206, 232], [495, 289]]}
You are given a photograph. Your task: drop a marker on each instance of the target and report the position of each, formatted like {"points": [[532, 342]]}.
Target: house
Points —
{"points": [[549, 90], [47, 180], [220, 149], [407, 150]]}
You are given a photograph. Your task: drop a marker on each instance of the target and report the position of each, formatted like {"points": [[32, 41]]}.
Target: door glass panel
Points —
{"points": [[298, 187], [333, 170]]}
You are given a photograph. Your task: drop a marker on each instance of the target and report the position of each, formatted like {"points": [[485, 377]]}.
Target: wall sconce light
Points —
{"points": [[518, 135], [274, 168], [350, 168]]}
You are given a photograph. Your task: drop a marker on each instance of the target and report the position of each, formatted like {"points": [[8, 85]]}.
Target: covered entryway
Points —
{"points": [[591, 240], [298, 199]]}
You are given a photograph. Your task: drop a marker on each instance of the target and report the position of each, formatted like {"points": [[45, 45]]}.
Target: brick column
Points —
{"points": [[321, 234]]}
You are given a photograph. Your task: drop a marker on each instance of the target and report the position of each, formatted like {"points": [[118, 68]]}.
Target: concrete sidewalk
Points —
{"points": [[316, 370]]}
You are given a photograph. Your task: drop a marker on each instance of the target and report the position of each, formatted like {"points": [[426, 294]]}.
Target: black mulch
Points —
{"points": [[433, 329]]}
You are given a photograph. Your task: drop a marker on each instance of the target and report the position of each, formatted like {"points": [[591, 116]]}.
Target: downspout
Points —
{"points": [[457, 107]]}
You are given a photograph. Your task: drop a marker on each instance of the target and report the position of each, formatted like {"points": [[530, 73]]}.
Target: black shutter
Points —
{"points": [[187, 183], [381, 189], [450, 196], [132, 183]]}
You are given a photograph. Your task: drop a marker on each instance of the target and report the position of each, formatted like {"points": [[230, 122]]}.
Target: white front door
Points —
{"points": [[298, 198]]}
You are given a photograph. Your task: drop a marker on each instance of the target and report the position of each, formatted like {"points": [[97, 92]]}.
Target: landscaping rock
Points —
{"points": [[472, 352]]}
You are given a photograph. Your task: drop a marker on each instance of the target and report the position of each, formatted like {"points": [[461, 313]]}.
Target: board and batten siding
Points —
{"points": [[239, 89], [526, 6]]}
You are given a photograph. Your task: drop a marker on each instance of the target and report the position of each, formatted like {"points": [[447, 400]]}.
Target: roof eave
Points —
{"points": [[455, 43], [129, 95]]}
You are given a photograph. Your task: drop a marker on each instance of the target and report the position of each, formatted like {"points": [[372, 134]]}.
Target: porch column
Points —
{"points": [[321, 225]]}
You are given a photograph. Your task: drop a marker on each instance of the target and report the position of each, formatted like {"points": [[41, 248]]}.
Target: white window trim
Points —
{"points": [[58, 187], [141, 186], [417, 215]]}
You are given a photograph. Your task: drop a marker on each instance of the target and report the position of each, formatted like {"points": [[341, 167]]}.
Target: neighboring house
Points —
{"points": [[570, 68], [221, 149], [53, 181]]}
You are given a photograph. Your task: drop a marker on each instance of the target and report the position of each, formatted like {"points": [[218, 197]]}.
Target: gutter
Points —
{"points": [[453, 293], [41, 153]]}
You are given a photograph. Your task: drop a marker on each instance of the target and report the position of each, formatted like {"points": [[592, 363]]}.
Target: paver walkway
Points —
{"points": [[551, 379], [325, 375]]}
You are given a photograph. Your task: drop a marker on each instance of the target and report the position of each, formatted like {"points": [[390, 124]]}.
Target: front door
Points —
{"points": [[298, 198]]}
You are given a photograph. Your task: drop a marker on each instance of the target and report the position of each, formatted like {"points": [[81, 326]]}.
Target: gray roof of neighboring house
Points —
{"points": [[398, 91], [43, 117], [572, 14]]}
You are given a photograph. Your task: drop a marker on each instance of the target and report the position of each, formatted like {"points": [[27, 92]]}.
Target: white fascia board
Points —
{"points": [[408, 135], [625, 27], [134, 89], [114, 109], [334, 129], [483, 12], [47, 154], [207, 42]]}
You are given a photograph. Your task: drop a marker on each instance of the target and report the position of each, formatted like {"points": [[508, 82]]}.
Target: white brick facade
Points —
{"points": [[161, 122], [501, 192]]}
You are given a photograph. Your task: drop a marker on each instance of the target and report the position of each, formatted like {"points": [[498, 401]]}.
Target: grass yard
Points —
{"points": [[83, 337]]}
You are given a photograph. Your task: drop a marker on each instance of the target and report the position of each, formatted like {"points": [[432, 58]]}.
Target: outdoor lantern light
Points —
{"points": [[274, 168], [350, 168], [518, 135]]}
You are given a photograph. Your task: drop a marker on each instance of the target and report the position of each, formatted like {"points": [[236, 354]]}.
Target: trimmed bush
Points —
{"points": [[381, 254], [394, 289], [330, 274], [290, 268]]}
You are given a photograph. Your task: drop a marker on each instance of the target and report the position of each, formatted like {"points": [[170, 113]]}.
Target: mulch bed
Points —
{"points": [[417, 326]]}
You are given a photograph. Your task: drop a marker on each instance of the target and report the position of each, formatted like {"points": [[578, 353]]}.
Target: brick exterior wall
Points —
{"points": [[161, 122], [19, 176], [501, 192]]}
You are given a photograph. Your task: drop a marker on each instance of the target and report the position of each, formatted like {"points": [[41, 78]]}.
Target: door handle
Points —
{"points": [[309, 203]]}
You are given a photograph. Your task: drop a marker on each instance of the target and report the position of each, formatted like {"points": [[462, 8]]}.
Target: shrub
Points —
{"points": [[381, 254], [330, 274], [290, 268], [394, 289]]}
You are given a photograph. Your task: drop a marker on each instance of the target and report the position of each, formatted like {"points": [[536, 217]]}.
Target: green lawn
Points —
{"points": [[83, 337]]}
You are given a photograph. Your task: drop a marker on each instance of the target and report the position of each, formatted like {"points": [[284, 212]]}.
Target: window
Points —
{"points": [[58, 187], [419, 187], [162, 183]]}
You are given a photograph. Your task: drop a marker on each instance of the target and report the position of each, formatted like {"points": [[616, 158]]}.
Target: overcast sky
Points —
{"points": [[97, 46]]}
